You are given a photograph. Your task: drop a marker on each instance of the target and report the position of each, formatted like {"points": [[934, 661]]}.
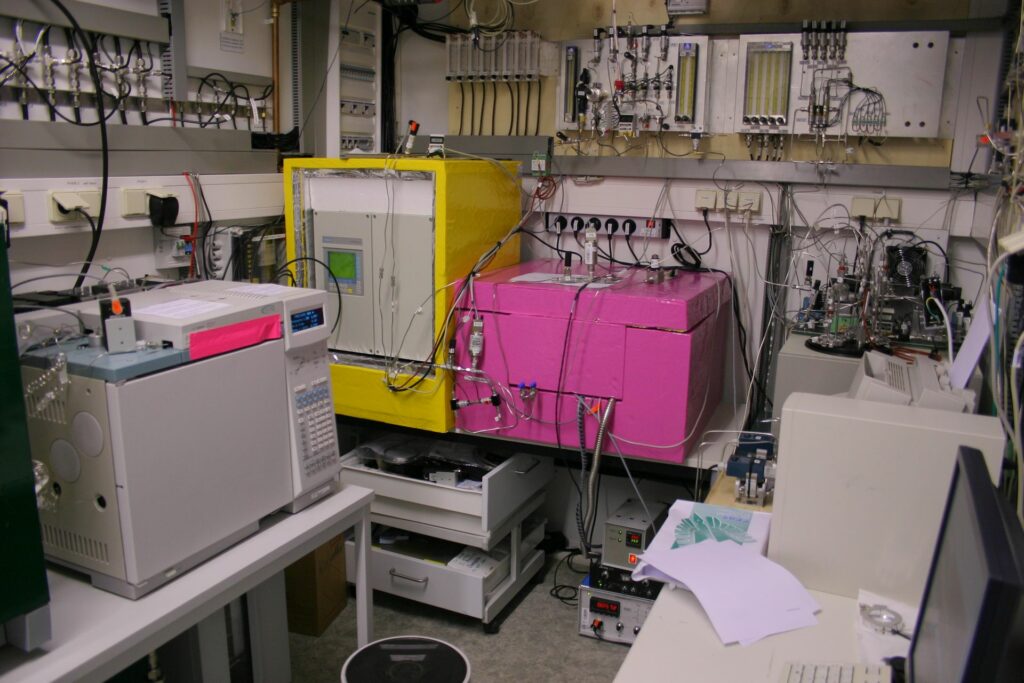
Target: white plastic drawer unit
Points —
{"points": [[477, 517], [478, 593]]}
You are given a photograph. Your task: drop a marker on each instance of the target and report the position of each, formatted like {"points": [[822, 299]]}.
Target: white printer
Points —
{"points": [[164, 454], [924, 383]]}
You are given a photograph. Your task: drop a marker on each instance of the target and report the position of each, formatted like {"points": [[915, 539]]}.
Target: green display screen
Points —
{"points": [[343, 264]]}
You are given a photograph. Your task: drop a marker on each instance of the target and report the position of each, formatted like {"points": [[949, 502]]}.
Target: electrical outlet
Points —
{"points": [[738, 201], [749, 201], [706, 199], [876, 207], [135, 200], [15, 206], [63, 204]]}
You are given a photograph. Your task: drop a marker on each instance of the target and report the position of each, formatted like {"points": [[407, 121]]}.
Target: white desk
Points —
{"points": [[678, 643], [97, 634]]}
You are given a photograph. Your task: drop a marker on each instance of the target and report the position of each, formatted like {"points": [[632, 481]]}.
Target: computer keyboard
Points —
{"points": [[835, 673]]}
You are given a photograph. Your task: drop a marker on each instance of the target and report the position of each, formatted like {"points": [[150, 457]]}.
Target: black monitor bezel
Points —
{"points": [[1002, 541]]}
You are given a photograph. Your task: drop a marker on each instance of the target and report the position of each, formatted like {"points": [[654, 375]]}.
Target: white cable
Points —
{"points": [[1015, 403], [949, 327]]}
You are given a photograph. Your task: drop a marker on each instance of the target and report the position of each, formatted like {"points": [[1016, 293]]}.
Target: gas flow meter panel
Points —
{"points": [[381, 256]]}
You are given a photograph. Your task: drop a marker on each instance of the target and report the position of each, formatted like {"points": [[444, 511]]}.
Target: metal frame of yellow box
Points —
{"points": [[475, 205]]}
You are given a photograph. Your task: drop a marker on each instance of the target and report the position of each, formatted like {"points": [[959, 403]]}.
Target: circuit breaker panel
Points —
{"points": [[641, 80]]}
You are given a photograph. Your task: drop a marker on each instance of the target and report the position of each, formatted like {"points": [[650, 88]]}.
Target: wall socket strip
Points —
{"points": [[636, 227]]}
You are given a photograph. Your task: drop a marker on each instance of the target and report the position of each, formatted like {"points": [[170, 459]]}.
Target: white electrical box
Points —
{"points": [[377, 237], [897, 81]]}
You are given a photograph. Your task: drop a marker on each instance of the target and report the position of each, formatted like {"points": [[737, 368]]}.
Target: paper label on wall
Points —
{"points": [[232, 42], [178, 309]]}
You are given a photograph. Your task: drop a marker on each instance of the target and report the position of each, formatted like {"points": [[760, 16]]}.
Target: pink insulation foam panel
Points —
{"points": [[658, 349]]}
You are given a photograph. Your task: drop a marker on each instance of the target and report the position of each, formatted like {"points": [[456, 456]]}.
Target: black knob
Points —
{"points": [[618, 626], [636, 630]]}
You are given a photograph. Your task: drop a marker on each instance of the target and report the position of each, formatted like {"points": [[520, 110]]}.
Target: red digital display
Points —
{"points": [[602, 606], [634, 539]]}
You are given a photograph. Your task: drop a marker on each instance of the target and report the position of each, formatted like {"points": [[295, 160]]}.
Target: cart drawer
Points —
{"points": [[504, 490], [429, 582]]}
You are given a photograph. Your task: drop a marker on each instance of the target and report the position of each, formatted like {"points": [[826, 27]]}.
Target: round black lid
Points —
{"points": [[406, 659]]}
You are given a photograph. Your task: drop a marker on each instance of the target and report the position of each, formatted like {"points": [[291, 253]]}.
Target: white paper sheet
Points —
{"points": [[745, 595], [556, 279], [178, 309], [266, 289], [752, 523]]}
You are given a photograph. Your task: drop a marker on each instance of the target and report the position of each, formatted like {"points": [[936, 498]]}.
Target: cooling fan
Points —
{"points": [[906, 266]]}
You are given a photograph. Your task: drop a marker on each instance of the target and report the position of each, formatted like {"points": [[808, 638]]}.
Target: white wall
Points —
{"points": [[422, 89]]}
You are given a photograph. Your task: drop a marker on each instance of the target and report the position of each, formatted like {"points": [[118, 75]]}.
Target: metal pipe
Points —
{"points": [[596, 467], [275, 60]]}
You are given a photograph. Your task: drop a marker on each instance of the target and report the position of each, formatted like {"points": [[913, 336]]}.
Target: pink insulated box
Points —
{"points": [[658, 348]]}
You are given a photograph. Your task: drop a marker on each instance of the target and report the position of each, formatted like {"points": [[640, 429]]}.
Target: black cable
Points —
{"points": [[540, 93], [519, 104], [529, 93], [117, 74], [704, 213], [46, 43], [629, 245], [494, 103], [941, 251], [511, 107], [105, 151], [46, 101], [553, 247], [337, 287], [472, 107], [462, 105], [565, 593], [483, 104], [561, 364], [741, 332]]}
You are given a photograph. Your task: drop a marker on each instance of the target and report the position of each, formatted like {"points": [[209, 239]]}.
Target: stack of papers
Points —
{"points": [[716, 554]]}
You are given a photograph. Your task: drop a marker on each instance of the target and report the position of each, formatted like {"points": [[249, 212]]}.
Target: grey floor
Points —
{"points": [[537, 641]]}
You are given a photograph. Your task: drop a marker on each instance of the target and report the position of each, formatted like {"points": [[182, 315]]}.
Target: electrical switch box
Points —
{"points": [[876, 208]]}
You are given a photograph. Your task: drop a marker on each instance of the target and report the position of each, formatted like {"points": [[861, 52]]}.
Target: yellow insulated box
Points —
{"points": [[389, 238]]}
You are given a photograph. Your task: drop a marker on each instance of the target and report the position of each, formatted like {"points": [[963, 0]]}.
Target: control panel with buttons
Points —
{"points": [[615, 617]]}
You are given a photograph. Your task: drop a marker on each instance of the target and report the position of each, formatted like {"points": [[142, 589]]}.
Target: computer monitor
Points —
{"points": [[971, 622]]}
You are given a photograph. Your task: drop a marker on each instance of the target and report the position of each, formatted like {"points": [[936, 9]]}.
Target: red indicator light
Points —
{"points": [[632, 558]]}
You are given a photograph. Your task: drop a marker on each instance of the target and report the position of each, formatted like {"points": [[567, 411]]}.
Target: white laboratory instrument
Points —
{"points": [[164, 456]]}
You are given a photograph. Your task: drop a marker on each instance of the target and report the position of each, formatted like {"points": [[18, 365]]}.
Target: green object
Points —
{"points": [[343, 264], [22, 571], [708, 522]]}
